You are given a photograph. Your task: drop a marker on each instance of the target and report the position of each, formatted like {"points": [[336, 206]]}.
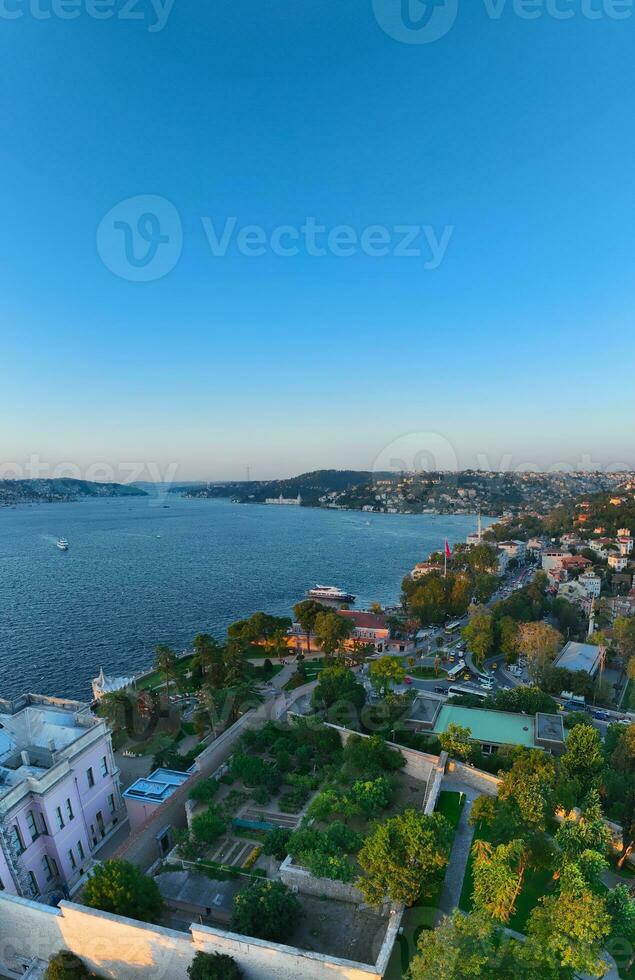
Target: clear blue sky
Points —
{"points": [[517, 133]]}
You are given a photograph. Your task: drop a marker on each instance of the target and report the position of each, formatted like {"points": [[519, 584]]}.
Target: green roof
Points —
{"points": [[496, 727]]}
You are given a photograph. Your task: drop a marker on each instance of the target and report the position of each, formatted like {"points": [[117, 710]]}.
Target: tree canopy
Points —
{"points": [[121, 888]]}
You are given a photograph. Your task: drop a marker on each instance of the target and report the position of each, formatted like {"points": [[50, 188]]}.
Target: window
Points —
{"points": [[91, 777], [111, 803], [60, 818], [69, 810], [17, 837], [45, 829], [30, 822], [80, 850], [1, 885], [35, 888], [71, 858], [48, 867], [104, 766]]}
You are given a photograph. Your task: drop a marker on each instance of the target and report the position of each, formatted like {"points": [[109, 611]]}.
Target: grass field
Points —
{"points": [[426, 673]]}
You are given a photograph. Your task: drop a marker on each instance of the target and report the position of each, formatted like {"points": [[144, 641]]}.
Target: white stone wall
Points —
{"points": [[121, 948]]}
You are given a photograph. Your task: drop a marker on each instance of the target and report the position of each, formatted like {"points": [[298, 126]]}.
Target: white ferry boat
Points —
{"points": [[62, 544], [331, 593]]}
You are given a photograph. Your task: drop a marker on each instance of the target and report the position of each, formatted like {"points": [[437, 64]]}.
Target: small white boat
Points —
{"points": [[62, 544]]}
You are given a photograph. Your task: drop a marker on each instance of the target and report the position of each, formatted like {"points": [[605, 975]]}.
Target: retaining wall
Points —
{"points": [[121, 948], [303, 881], [419, 765]]}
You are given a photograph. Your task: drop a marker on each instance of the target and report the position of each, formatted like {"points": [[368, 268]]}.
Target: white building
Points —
{"points": [[592, 584], [625, 544], [285, 501], [103, 684], [514, 549], [618, 562]]}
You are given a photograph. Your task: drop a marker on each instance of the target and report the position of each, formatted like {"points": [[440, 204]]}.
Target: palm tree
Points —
{"points": [[207, 651], [165, 662], [116, 707]]}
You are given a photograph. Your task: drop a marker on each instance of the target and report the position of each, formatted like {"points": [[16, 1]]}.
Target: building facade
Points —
{"points": [[59, 794]]}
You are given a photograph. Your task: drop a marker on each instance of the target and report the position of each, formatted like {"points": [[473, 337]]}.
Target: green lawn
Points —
{"points": [[450, 805], [426, 673]]}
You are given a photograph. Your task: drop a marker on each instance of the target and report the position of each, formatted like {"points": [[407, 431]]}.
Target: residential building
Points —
{"points": [[580, 656], [514, 549], [285, 501], [59, 794], [625, 544], [424, 568], [592, 583], [617, 562], [552, 559]]}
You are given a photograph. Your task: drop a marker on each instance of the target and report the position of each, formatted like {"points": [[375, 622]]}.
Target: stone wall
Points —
{"points": [[484, 782], [121, 948], [419, 765], [299, 879]]}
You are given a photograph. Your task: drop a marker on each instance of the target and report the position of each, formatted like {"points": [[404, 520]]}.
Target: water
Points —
{"points": [[138, 574]]}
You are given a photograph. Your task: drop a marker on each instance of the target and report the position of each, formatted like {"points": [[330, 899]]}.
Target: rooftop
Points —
{"points": [[579, 656], [34, 730], [365, 620], [189, 888], [497, 727], [157, 787]]}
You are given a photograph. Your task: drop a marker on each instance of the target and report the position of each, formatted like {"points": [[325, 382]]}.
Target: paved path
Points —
{"points": [[455, 873]]}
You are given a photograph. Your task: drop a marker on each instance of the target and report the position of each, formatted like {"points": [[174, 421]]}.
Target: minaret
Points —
{"points": [[480, 532]]}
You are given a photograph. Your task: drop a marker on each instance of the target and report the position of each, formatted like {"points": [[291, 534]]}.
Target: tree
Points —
{"points": [[589, 833], [121, 888], [208, 658], [213, 966], [385, 672], [572, 925], [624, 633], [117, 707], [65, 966], [237, 666], [498, 874], [508, 638], [403, 857], [208, 826], [306, 612], [371, 795], [165, 662], [338, 684], [582, 759], [457, 741], [539, 642], [479, 633], [529, 785], [621, 907], [266, 910], [463, 947], [368, 758], [523, 698], [276, 842], [278, 644], [331, 630]]}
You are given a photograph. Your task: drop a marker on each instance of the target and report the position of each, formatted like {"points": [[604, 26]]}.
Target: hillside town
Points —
{"points": [[350, 793]]}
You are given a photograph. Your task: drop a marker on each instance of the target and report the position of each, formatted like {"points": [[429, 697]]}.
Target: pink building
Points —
{"points": [[59, 794]]}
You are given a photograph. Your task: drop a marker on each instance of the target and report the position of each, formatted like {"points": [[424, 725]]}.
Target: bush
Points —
{"points": [[266, 910], [276, 842], [261, 795], [204, 791], [293, 801], [208, 826], [213, 966], [372, 795], [121, 888], [65, 966]]}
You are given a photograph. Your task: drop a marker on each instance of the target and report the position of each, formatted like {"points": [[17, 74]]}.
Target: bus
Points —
{"points": [[454, 672], [460, 689], [452, 628]]}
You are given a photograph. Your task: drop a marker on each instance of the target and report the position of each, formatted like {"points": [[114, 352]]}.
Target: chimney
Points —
{"points": [[26, 761], [51, 745]]}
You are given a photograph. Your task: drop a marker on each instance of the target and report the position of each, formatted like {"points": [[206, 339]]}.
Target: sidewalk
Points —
{"points": [[455, 872]]}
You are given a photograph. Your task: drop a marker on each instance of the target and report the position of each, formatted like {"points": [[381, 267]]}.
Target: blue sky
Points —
{"points": [[515, 135]]}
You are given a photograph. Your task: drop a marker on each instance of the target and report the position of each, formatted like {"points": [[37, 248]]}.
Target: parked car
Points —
{"points": [[599, 715]]}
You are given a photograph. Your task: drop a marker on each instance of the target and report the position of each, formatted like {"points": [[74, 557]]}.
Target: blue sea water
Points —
{"points": [[140, 573]]}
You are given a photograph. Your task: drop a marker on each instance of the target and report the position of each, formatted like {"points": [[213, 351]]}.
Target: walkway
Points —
{"points": [[455, 873]]}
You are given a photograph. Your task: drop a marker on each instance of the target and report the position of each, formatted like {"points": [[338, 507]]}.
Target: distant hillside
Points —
{"points": [[48, 491], [310, 486]]}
